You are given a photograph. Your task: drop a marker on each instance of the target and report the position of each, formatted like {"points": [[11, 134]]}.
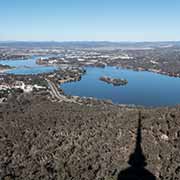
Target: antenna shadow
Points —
{"points": [[137, 161]]}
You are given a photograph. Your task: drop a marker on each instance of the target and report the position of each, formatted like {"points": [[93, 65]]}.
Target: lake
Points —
{"points": [[143, 88], [27, 66]]}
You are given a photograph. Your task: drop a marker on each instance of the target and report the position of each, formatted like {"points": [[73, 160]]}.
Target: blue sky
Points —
{"points": [[93, 20]]}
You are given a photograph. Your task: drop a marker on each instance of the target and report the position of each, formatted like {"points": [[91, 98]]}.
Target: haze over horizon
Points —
{"points": [[91, 20]]}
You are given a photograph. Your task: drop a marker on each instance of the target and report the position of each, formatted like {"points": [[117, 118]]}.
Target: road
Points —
{"points": [[56, 94]]}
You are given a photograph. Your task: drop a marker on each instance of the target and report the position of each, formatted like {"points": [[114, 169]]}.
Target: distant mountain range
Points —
{"points": [[88, 44]]}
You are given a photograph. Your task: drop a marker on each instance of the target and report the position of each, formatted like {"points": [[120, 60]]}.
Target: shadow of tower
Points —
{"points": [[137, 162]]}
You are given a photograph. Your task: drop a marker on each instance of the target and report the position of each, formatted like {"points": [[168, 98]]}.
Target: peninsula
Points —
{"points": [[4, 68]]}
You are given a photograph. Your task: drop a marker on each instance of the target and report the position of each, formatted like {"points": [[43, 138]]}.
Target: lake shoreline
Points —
{"points": [[66, 87], [48, 69]]}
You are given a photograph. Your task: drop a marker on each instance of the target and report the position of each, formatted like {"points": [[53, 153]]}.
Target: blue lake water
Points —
{"points": [[143, 88], [28, 66]]}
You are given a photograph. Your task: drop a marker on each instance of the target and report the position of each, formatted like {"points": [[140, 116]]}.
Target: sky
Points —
{"points": [[90, 20]]}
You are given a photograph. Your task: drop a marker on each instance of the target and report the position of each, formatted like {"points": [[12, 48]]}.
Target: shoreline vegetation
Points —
{"points": [[4, 68]]}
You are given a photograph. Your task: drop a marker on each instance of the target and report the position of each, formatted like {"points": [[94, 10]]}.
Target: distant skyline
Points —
{"points": [[90, 20]]}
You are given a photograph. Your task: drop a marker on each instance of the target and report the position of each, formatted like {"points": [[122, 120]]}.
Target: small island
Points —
{"points": [[114, 81]]}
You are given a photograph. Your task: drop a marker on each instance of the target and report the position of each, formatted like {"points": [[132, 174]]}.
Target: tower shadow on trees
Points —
{"points": [[137, 162]]}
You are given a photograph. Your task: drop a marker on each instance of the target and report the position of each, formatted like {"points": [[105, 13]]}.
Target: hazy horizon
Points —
{"points": [[88, 41]]}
